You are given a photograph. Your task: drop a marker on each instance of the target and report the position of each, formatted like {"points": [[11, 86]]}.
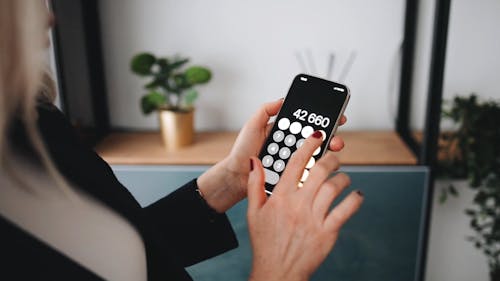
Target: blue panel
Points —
{"points": [[150, 183], [380, 243]]}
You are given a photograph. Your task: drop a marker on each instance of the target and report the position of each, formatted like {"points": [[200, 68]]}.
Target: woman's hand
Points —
{"points": [[293, 231], [225, 184]]}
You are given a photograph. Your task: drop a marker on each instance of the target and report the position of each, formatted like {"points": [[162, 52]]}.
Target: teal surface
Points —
{"points": [[380, 243]]}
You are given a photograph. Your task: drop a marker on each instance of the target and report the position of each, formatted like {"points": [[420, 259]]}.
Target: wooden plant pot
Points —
{"points": [[177, 128]]}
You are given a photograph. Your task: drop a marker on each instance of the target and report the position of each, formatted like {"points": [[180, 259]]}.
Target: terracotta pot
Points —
{"points": [[177, 128]]}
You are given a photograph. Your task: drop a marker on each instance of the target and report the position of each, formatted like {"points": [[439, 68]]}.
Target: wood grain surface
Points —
{"points": [[146, 148]]}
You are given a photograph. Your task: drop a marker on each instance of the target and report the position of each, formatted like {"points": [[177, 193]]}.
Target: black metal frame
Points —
{"points": [[427, 150], [87, 28], [407, 65], [92, 24]]}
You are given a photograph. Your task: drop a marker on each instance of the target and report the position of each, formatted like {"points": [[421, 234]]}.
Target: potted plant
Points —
{"points": [[472, 152], [171, 93]]}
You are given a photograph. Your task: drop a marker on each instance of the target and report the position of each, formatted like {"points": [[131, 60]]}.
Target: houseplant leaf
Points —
{"points": [[189, 97], [473, 153], [178, 63], [155, 83], [142, 63], [198, 75], [152, 101], [181, 82]]}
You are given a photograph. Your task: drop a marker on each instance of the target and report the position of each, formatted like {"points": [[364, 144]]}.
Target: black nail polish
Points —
{"points": [[251, 164]]}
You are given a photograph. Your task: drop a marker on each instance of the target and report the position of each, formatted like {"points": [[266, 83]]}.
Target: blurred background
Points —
{"points": [[399, 59]]}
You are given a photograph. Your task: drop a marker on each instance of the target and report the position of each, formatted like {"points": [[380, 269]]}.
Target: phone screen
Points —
{"points": [[311, 104]]}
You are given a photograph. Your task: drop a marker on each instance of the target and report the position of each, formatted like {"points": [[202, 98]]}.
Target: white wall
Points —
{"points": [[451, 257], [473, 53], [251, 46]]}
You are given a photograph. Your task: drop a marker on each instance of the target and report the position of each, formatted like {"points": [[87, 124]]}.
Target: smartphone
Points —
{"points": [[311, 104]]}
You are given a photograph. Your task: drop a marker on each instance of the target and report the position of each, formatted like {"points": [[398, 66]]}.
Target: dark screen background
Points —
{"points": [[316, 96]]}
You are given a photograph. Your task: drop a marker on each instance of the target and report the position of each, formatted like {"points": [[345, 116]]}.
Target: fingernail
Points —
{"points": [[360, 193], [251, 164], [317, 134]]}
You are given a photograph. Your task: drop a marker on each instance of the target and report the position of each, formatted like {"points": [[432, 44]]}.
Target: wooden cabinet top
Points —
{"points": [[146, 148]]}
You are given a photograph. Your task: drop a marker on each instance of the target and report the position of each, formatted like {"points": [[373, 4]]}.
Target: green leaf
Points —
{"points": [[141, 64], [153, 84], [198, 75], [190, 96], [443, 196], [452, 190], [152, 101], [474, 225], [165, 70], [178, 63], [181, 82], [470, 212]]}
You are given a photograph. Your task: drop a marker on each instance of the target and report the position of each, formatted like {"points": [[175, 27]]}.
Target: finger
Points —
{"points": [[328, 192], [343, 211], [256, 193], [266, 111], [336, 144], [269, 127], [343, 120], [319, 173], [295, 166]]}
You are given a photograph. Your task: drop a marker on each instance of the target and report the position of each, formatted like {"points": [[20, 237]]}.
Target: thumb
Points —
{"points": [[256, 194], [266, 111]]}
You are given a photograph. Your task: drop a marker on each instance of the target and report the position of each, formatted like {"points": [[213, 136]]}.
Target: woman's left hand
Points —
{"points": [[225, 184]]}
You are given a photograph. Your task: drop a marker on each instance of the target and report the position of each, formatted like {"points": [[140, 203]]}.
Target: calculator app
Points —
{"points": [[312, 104]]}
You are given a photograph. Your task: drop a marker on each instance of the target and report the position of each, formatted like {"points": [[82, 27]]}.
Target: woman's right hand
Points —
{"points": [[293, 231]]}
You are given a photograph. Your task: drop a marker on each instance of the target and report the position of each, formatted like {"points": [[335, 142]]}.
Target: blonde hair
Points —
{"points": [[23, 31]]}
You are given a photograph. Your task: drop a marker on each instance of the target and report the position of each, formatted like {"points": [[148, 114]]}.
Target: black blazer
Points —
{"points": [[178, 230]]}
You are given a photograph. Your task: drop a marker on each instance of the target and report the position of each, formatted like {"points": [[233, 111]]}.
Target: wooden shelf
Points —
{"points": [[145, 148]]}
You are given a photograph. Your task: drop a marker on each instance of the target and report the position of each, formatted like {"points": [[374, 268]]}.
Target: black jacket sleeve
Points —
{"points": [[204, 233], [187, 228]]}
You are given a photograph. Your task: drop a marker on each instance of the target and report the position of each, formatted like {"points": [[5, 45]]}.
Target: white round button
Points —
{"points": [[284, 123], [279, 165], [307, 131], [324, 134], [304, 175], [285, 153], [295, 128], [290, 140], [278, 136], [272, 148], [316, 152], [267, 161], [310, 163], [300, 143]]}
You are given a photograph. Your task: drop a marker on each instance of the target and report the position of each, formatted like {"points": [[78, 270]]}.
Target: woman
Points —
{"points": [[64, 215]]}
